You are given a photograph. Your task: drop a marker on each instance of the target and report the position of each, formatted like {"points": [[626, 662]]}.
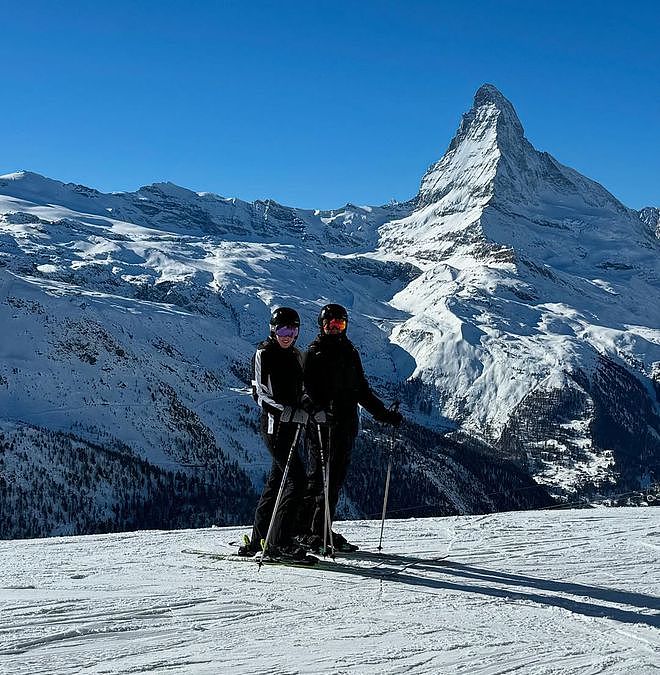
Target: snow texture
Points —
{"points": [[570, 592]]}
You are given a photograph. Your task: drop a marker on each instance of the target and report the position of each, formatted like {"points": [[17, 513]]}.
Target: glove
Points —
{"points": [[293, 415], [322, 417], [287, 414], [308, 405], [392, 417]]}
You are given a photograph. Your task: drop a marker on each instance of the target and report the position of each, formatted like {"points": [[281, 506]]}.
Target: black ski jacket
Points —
{"points": [[335, 381], [276, 377]]}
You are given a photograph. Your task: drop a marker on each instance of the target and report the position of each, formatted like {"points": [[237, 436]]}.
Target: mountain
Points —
{"points": [[513, 306], [176, 210], [651, 216], [537, 311], [568, 592], [124, 383]]}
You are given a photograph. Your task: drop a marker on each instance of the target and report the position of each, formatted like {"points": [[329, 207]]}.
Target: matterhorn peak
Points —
{"points": [[488, 130], [492, 183], [490, 95], [490, 162], [491, 113]]}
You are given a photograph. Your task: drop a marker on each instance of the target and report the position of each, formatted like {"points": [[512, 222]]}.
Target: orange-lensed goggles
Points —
{"points": [[339, 324]]}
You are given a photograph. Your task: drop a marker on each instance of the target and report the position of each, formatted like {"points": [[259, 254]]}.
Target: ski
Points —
{"points": [[307, 561], [344, 564]]}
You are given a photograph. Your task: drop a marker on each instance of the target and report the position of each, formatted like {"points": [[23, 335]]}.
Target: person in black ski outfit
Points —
{"points": [[335, 382], [277, 388]]}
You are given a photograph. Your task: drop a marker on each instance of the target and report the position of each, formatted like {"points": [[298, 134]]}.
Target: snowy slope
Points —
{"points": [[140, 338], [180, 309], [570, 592]]}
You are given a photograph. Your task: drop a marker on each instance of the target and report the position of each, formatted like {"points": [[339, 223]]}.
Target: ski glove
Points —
{"points": [[322, 417], [308, 405], [293, 415], [393, 417]]}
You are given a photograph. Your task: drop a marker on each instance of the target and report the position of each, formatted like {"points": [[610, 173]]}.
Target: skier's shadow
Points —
{"points": [[399, 568]]}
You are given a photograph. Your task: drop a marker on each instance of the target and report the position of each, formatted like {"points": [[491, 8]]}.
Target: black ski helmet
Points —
{"points": [[332, 311], [284, 316]]}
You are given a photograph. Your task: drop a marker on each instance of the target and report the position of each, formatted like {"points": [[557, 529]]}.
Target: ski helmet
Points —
{"points": [[332, 311], [284, 316]]}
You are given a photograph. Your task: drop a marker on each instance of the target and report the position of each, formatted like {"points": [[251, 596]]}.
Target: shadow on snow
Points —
{"points": [[519, 585]]}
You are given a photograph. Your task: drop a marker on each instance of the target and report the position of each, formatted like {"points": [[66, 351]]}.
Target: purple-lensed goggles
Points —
{"points": [[286, 331]]}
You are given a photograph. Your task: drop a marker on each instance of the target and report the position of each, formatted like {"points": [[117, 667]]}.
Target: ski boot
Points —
{"points": [[247, 549], [310, 542], [342, 545], [292, 554]]}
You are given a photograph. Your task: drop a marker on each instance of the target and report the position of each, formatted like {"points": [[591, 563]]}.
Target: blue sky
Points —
{"points": [[318, 103]]}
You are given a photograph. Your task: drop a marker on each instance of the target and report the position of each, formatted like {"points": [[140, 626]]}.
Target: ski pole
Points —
{"points": [[285, 475], [395, 407], [327, 530], [325, 469]]}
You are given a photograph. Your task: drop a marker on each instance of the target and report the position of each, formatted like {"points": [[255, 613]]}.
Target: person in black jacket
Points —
{"points": [[335, 382], [277, 388]]}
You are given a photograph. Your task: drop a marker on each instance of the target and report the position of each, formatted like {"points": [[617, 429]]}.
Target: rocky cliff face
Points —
{"points": [[651, 216]]}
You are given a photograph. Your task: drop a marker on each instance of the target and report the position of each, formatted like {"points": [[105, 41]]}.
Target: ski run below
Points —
{"points": [[529, 592]]}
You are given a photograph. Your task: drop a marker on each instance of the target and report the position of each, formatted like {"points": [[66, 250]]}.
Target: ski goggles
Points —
{"points": [[286, 331], [339, 324]]}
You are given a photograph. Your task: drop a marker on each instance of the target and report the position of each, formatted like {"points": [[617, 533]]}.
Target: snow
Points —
{"points": [[535, 592]]}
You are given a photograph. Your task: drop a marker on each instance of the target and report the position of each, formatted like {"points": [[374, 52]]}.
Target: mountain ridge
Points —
{"points": [[512, 300]]}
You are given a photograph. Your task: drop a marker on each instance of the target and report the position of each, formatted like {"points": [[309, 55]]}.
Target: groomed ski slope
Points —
{"points": [[534, 592]]}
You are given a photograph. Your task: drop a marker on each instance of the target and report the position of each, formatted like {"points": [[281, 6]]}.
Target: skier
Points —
{"points": [[335, 382], [277, 388]]}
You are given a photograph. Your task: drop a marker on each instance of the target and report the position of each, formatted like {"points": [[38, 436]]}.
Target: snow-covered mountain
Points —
{"points": [[570, 592], [537, 312], [513, 305]]}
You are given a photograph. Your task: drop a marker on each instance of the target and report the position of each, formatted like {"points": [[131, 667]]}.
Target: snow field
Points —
{"points": [[529, 592]]}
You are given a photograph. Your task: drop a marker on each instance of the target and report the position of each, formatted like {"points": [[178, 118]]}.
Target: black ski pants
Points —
{"points": [[338, 441], [286, 524]]}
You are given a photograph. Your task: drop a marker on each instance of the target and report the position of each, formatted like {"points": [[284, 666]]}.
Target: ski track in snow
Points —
{"points": [[530, 592]]}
